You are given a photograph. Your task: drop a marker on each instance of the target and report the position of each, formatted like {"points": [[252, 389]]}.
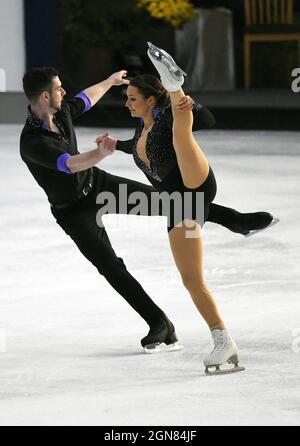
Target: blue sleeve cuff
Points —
{"points": [[86, 100], [62, 163]]}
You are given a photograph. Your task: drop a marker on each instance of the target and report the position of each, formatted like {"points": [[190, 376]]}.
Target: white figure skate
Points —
{"points": [[225, 351], [172, 77]]}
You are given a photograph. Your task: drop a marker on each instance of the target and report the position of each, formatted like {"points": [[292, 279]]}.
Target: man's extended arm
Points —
{"points": [[96, 92], [84, 161]]}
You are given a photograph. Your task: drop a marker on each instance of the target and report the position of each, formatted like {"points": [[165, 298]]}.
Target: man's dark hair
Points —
{"points": [[38, 80]]}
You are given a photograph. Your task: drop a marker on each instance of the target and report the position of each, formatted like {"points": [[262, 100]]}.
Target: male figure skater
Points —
{"points": [[48, 146]]}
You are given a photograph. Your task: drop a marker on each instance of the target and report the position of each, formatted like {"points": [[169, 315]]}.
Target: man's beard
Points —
{"points": [[55, 107]]}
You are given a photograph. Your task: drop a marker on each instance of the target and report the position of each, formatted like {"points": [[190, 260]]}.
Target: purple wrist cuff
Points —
{"points": [[62, 163], [86, 99]]}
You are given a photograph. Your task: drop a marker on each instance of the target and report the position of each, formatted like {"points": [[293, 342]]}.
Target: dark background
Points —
{"points": [[87, 40]]}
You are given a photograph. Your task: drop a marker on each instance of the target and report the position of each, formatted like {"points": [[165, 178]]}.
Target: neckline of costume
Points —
{"points": [[36, 122]]}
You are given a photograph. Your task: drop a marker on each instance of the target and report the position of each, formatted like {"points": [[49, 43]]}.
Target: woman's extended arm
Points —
{"points": [[125, 146], [122, 146]]}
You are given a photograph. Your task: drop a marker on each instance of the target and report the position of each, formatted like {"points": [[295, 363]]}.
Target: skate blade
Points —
{"points": [[165, 58], [273, 223], [162, 348], [219, 371]]}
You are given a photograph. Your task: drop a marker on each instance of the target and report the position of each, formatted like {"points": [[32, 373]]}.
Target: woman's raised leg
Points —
{"points": [[193, 164]]}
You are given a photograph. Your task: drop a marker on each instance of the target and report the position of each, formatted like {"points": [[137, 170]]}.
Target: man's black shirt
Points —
{"points": [[40, 149]]}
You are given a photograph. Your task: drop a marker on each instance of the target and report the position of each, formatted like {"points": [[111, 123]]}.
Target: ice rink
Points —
{"points": [[70, 346]]}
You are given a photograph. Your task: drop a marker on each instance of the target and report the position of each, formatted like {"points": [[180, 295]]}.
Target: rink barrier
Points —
{"points": [[2, 81], [296, 82]]}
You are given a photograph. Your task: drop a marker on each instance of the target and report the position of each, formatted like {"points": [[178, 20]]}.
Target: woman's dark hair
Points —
{"points": [[149, 85], [38, 80]]}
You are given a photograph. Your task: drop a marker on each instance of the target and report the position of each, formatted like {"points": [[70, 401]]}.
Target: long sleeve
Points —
{"points": [[45, 155], [203, 118], [76, 106], [125, 146]]}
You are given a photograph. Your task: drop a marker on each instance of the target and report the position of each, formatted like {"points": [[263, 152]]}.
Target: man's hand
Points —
{"points": [[119, 78], [106, 145], [185, 104], [96, 92]]}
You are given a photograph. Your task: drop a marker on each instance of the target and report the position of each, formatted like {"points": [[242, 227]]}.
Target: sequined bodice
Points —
{"points": [[159, 148]]}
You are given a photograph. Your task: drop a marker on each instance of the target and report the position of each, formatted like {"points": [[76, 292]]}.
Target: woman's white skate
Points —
{"points": [[224, 352], [172, 76]]}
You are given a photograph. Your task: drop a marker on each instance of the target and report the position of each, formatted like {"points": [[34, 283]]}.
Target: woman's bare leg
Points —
{"points": [[188, 256], [192, 162]]}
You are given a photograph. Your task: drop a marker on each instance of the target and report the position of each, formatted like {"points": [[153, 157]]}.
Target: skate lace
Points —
{"points": [[220, 344]]}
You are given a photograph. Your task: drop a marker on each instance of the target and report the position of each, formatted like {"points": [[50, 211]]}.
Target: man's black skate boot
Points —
{"points": [[250, 224], [161, 332]]}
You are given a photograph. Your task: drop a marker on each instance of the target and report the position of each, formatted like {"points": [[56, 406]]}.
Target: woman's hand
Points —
{"points": [[106, 145], [186, 104]]}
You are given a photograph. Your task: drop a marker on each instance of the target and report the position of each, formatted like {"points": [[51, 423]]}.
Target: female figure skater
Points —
{"points": [[173, 162]]}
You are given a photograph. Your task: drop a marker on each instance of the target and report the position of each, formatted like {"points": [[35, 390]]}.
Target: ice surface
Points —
{"points": [[72, 344]]}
